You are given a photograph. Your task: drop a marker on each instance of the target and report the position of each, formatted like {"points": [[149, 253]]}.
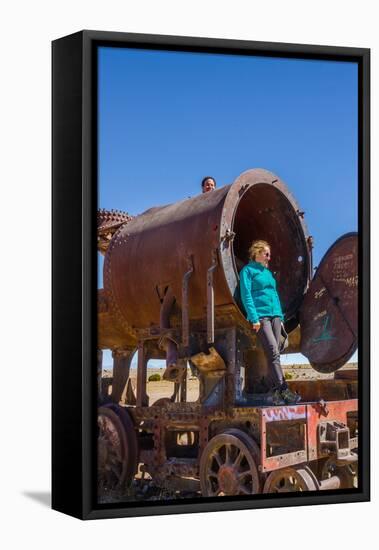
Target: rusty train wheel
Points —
{"points": [[227, 466], [116, 450], [290, 480], [347, 474], [256, 454]]}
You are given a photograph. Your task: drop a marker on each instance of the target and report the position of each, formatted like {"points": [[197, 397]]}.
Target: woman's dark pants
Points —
{"points": [[269, 336]]}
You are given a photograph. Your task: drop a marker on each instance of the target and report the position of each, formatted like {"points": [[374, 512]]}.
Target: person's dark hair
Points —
{"points": [[207, 178]]}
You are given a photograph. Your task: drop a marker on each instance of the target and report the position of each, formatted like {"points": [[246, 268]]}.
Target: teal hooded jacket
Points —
{"points": [[258, 292]]}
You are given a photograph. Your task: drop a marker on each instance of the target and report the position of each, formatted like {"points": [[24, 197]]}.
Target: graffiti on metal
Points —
{"points": [[349, 281], [342, 262], [319, 315], [320, 293], [284, 413], [325, 334]]}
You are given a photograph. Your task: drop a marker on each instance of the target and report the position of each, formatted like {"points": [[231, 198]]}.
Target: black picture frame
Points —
{"points": [[74, 270]]}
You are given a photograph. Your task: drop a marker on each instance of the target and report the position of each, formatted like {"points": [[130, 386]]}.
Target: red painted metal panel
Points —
{"points": [[312, 414]]}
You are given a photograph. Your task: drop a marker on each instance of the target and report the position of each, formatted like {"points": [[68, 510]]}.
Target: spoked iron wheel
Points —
{"points": [[227, 466], [347, 474], [290, 480], [116, 449]]}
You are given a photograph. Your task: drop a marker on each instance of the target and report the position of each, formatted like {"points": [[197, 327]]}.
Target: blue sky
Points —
{"points": [[166, 119]]}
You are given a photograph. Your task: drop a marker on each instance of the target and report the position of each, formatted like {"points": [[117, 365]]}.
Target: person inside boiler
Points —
{"points": [[264, 313]]}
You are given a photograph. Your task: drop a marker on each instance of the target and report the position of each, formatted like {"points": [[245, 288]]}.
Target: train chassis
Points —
{"points": [[241, 451]]}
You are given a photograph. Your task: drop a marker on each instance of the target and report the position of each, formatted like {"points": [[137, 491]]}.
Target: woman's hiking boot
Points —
{"points": [[290, 397], [282, 395]]}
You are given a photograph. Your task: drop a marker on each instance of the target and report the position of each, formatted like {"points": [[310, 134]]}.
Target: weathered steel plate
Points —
{"points": [[329, 313]]}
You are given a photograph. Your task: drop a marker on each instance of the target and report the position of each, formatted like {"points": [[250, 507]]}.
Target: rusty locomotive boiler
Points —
{"points": [[171, 291]]}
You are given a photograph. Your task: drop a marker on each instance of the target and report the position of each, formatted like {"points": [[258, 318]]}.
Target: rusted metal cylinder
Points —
{"points": [[204, 241], [333, 482]]}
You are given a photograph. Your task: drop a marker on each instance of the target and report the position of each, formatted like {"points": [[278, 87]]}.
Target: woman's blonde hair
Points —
{"points": [[256, 247]]}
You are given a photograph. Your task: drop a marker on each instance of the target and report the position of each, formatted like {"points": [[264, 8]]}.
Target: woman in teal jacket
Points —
{"points": [[264, 313]]}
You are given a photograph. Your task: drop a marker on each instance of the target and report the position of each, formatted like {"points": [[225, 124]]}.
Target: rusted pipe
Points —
{"points": [[185, 303], [167, 343], [333, 482], [99, 372], [142, 398], [210, 300]]}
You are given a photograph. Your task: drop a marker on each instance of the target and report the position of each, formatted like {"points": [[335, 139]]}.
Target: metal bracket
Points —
{"points": [[229, 236], [165, 336], [334, 439], [322, 408], [210, 299]]}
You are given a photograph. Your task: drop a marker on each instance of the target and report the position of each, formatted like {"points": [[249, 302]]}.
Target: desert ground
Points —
{"points": [[158, 389]]}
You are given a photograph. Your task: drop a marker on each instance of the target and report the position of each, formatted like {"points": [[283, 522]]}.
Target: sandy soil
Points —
{"points": [[158, 390]]}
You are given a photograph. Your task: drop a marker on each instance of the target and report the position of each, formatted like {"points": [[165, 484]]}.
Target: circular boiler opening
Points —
{"points": [[264, 212]]}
